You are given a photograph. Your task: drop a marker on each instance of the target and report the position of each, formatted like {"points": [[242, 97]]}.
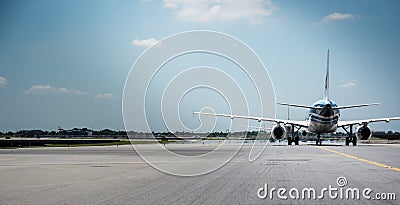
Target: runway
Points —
{"points": [[117, 175]]}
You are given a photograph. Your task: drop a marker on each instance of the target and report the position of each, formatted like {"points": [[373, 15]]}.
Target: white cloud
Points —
{"points": [[220, 10], [48, 89], [144, 42], [3, 82], [348, 84], [105, 96], [338, 16]]}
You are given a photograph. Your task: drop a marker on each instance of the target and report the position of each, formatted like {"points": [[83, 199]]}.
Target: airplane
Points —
{"points": [[323, 117]]}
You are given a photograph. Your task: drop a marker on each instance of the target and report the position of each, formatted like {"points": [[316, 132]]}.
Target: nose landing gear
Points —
{"points": [[319, 140]]}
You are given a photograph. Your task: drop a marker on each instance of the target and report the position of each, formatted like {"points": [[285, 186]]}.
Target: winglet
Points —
{"points": [[326, 97]]}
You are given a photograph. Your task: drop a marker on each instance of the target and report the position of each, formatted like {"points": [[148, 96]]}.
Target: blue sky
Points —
{"points": [[65, 62]]}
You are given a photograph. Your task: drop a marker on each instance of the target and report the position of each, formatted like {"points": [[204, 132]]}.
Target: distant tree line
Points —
{"points": [[62, 132], [108, 133]]}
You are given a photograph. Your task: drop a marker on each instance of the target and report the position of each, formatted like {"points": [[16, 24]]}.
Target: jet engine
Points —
{"points": [[364, 132], [303, 133], [278, 132]]}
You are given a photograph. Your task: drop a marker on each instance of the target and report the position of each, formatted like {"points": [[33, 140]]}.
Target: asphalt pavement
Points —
{"points": [[118, 175]]}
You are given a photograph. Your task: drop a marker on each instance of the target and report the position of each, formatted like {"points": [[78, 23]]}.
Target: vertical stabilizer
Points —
{"points": [[327, 79]]}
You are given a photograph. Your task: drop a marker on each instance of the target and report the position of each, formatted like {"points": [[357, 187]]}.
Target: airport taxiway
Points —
{"points": [[117, 175]]}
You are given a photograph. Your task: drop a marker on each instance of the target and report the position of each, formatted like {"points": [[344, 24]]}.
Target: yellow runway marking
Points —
{"points": [[361, 159]]}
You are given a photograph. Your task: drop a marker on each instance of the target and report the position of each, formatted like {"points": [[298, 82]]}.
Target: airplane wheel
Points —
{"points": [[289, 141], [354, 141], [320, 142], [347, 141], [316, 142], [296, 141]]}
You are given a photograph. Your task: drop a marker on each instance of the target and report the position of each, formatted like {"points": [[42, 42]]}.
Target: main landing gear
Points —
{"points": [[295, 136], [294, 139], [350, 138]]}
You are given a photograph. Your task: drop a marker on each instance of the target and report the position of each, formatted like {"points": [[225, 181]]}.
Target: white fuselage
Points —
{"points": [[323, 118]]}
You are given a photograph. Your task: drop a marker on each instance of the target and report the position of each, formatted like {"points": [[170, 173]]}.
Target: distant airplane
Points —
{"points": [[323, 117]]}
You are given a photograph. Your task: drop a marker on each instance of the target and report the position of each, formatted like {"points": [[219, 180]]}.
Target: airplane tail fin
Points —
{"points": [[326, 97]]}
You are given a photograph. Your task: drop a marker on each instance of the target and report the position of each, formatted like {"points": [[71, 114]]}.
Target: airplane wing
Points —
{"points": [[290, 122], [360, 122]]}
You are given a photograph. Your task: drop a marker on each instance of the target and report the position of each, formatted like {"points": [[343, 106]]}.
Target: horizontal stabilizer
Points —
{"points": [[353, 106], [296, 105], [336, 108]]}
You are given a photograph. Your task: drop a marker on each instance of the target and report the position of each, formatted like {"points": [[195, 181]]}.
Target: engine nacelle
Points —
{"points": [[278, 132], [364, 132], [304, 133]]}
